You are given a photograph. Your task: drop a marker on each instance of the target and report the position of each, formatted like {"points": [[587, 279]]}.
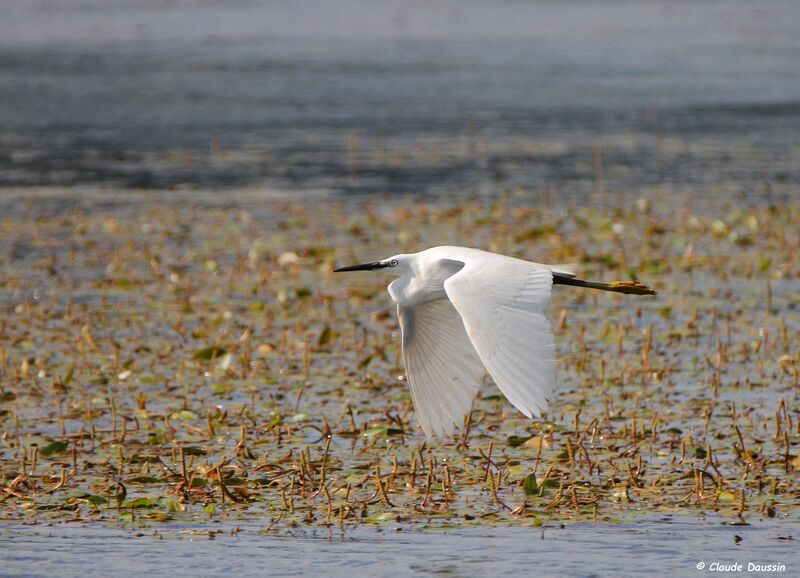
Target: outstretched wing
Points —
{"points": [[502, 302], [441, 365]]}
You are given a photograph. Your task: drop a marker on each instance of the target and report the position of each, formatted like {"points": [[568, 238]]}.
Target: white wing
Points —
{"points": [[502, 301], [441, 365]]}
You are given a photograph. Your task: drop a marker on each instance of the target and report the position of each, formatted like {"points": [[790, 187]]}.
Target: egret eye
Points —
{"points": [[393, 262]]}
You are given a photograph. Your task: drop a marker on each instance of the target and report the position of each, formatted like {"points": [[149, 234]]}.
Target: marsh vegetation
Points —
{"points": [[176, 357]]}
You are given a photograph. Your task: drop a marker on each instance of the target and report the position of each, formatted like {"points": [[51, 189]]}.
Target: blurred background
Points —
{"points": [[459, 98]]}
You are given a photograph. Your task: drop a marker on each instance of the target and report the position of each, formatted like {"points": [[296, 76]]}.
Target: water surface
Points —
{"points": [[402, 97], [669, 546]]}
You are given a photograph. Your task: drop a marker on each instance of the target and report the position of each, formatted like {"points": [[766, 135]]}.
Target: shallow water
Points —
{"points": [[403, 97], [669, 545]]}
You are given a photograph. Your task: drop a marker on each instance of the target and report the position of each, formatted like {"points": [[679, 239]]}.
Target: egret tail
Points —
{"points": [[629, 287]]}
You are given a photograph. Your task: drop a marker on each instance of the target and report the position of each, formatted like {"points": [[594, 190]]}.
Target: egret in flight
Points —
{"points": [[464, 312]]}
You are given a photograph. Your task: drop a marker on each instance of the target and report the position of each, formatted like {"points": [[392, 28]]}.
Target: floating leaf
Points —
{"points": [[376, 432], [515, 441], [529, 485], [221, 388], [157, 516], [141, 503], [381, 518], [209, 353], [144, 480], [55, 448], [144, 459], [325, 336], [382, 431], [536, 442], [155, 438], [547, 483], [78, 494], [184, 415]]}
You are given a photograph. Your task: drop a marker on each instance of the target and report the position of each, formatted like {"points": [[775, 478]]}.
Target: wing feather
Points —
{"points": [[502, 304], [442, 367]]}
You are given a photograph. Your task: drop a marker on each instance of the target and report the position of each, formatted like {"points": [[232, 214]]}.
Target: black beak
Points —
{"points": [[364, 267]]}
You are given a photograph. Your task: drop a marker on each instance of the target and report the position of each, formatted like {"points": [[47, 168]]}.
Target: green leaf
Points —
{"points": [[209, 353], [381, 518], [141, 503], [700, 453], [529, 485], [144, 480], [193, 451], [221, 388], [155, 438], [376, 432], [325, 336], [144, 459], [382, 431], [55, 448], [157, 516], [210, 509], [515, 441], [184, 415]]}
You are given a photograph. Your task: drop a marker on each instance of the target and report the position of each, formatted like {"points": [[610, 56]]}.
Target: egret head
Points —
{"points": [[394, 265]]}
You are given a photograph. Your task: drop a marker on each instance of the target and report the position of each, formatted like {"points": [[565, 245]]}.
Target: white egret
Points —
{"points": [[464, 312]]}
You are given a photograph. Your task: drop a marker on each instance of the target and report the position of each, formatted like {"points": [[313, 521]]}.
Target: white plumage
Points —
{"points": [[464, 312]]}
